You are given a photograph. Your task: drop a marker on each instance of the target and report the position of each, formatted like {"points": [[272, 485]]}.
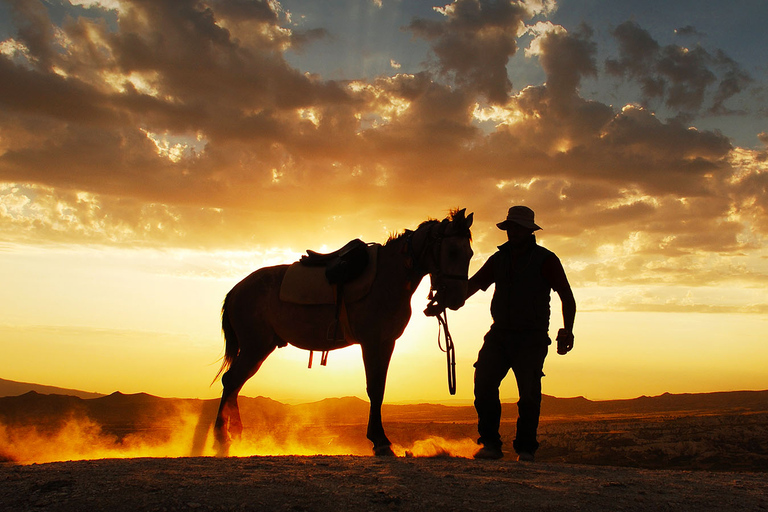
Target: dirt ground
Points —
{"points": [[338, 483]]}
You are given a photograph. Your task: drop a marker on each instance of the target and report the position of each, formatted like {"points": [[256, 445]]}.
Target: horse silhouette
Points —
{"points": [[255, 320]]}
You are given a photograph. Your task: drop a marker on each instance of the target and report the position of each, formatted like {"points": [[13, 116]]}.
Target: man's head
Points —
{"points": [[519, 224], [521, 216]]}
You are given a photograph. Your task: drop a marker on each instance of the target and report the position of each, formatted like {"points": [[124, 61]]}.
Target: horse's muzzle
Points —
{"points": [[455, 304], [452, 297]]}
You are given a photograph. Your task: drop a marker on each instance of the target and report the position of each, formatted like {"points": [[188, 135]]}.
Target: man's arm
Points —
{"points": [[555, 274], [565, 335], [482, 279]]}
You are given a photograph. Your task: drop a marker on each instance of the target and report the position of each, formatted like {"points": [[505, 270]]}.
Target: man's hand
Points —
{"points": [[434, 309], [564, 341]]}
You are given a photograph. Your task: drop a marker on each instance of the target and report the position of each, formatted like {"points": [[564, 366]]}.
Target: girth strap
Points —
{"points": [[340, 324], [323, 358]]}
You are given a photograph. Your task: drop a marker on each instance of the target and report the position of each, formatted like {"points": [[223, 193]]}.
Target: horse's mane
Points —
{"points": [[451, 216]]}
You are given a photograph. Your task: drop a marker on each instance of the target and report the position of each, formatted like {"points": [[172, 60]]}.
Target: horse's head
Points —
{"points": [[448, 243]]}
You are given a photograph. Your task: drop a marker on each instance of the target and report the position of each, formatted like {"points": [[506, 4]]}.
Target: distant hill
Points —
{"points": [[13, 388], [352, 409], [724, 401], [121, 413]]}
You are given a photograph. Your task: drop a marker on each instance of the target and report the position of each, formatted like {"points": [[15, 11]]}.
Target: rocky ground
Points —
{"points": [[338, 483]]}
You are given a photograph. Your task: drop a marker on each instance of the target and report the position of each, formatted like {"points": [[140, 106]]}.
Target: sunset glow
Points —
{"points": [[142, 176]]}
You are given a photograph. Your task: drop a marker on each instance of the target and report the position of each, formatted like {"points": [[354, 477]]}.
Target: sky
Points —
{"points": [[155, 152]]}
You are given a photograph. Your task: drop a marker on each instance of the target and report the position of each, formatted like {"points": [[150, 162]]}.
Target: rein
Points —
{"points": [[450, 353]]}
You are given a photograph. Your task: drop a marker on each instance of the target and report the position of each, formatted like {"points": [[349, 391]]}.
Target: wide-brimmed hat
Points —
{"points": [[521, 215]]}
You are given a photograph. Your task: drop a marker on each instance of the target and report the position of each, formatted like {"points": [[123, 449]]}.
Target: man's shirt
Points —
{"points": [[552, 270]]}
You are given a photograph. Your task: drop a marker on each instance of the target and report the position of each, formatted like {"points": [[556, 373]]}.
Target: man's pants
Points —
{"points": [[524, 352]]}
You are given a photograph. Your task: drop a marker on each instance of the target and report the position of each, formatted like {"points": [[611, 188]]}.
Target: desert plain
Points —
{"points": [[141, 452]]}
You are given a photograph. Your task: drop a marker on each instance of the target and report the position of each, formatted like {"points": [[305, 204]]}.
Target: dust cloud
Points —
{"points": [[190, 433]]}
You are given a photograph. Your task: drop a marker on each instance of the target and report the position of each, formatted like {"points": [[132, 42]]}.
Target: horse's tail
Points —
{"points": [[231, 345]]}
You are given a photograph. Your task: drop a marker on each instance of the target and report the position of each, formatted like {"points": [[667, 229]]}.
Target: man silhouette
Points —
{"points": [[524, 274]]}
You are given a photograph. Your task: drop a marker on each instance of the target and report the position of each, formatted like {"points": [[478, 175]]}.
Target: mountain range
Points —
{"points": [[14, 388], [26, 403]]}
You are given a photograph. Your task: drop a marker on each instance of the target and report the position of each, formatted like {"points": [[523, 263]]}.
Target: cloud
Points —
{"points": [[35, 31], [178, 123], [566, 58], [734, 81], [688, 30], [474, 43], [682, 77], [195, 80]]}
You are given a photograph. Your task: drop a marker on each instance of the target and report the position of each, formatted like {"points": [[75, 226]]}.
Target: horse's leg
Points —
{"points": [[228, 422], [376, 357]]}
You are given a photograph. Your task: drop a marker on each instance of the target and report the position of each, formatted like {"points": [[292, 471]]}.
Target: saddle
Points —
{"points": [[339, 277], [342, 265]]}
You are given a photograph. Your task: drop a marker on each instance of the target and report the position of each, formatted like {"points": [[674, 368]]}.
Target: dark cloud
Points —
{"points": [[688, 30], [638, 50], [686, 79], [34, 30], [241, 16], [687, 74], [561, 132], [566, 58], [50, 95], [474, 43], [734, 80], [437, 116], [197, 60]]}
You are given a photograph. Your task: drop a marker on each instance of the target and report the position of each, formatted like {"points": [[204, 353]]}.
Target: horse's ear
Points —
{"points": [[470, 219], [459, 216]]}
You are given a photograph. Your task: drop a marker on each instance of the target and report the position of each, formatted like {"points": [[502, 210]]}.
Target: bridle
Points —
{"points": [[435, 243]]}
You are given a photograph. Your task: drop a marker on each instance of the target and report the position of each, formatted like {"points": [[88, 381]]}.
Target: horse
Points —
{"points": [[255, 320]]}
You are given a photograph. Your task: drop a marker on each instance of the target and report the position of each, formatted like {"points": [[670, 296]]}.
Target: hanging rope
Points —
{"points": [[450, 353]]}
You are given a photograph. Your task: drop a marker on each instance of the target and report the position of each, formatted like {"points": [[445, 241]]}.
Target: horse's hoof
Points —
{"points": [[383, 451], [221, 444], [222, 450]]}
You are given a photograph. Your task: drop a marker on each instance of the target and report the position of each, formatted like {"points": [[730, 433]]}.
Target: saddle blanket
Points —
{"points": [[308, 285]]}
